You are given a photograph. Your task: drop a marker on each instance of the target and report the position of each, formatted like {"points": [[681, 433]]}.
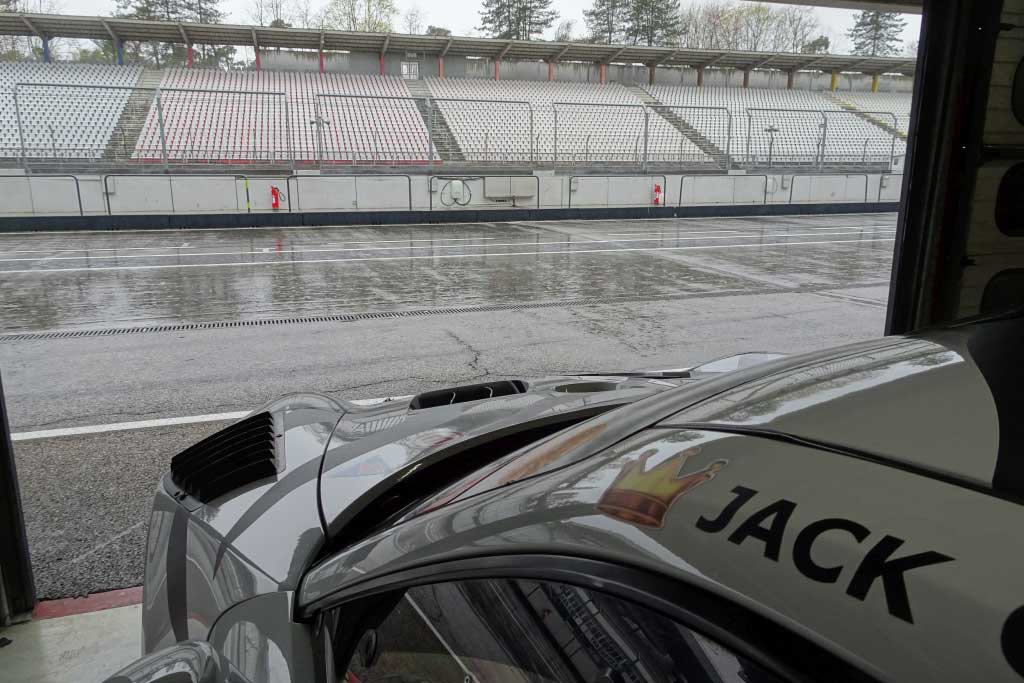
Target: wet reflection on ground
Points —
{"points": [[50, 281]]}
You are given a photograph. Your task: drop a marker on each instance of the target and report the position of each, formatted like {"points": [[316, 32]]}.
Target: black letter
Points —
{"points": [[806, 538], [876, 564], [711, 526], [772, 537]]}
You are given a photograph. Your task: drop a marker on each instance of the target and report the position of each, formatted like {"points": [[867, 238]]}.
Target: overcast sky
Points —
{"points": [[461, 15]]}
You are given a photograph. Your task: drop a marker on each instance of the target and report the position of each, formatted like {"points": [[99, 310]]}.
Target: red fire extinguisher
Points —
{"points": [[657, 194], [275, 198]]}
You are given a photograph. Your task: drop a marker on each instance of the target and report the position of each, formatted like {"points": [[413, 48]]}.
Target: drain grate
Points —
{"points": [[414, 313]]}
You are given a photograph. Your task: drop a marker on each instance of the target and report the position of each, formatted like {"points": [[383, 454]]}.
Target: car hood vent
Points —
{"points": [[227, 460], [468, 392]]}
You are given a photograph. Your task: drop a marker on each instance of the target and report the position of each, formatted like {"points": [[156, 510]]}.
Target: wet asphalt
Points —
{"points": [[591, 296]]}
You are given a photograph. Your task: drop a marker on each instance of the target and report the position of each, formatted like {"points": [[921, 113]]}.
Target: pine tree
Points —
{"points": [[516, 19], [653, 22], [606, 20], [877, 33]]}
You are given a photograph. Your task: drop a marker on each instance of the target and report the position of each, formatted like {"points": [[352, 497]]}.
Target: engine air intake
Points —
{"points": [[227, 460], [469, 392]]}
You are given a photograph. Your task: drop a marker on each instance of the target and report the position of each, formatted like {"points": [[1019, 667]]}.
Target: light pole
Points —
{"points": [[771, 130]]}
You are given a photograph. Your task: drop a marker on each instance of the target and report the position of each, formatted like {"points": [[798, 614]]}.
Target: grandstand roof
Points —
{"points": [[104, 28]]}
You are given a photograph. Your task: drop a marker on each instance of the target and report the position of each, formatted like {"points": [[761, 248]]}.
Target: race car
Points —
{"points": [[848, 514]]}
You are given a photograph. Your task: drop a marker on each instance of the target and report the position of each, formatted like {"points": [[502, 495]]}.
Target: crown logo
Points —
{"points": [[642, 496]]}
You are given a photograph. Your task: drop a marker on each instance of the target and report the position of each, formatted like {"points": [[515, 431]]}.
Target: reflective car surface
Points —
{"points": [[819, 517]]}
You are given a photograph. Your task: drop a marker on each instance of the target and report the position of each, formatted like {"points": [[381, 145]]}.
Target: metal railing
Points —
{"points": [[122, 126], [31, 195], [816, 177], [170, 186], [458, 196], [574, 184]]}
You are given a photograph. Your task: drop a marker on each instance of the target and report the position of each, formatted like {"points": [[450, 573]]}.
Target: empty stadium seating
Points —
{"points": [[250, 116], [596, 123], [273, 117], [64, 116], [786, 125]]}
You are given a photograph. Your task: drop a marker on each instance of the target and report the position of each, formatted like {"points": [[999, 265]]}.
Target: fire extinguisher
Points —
{"points": [[657, 194], [275, 198]]}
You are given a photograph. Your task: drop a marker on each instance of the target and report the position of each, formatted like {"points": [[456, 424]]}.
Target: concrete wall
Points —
{"points": [[627, 74], [183, 194]]}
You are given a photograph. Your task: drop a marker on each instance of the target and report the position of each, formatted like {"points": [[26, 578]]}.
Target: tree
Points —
{"points": [[438, 31], [818, 46], [910, 48], [412, 21], [653, 22], [516, 19], [266, 12], [606, 21], [876, 33], [563, 34], [360, 15]]}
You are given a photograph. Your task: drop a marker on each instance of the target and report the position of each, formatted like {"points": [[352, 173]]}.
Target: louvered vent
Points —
{"points": [[468, 392], [227, 460]]}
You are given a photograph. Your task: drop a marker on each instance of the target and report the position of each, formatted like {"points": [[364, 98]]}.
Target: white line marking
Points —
{"points": [[305, 262], [125, 426], [164, 422], [187, 246], [562, 242]]}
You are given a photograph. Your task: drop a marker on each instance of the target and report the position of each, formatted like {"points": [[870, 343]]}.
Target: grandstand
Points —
{"points": [[66, 111], [253, 117], [59, 116], [786, 127], [596, 124]]}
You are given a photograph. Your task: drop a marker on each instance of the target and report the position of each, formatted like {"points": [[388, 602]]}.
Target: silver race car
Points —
{"points": [[842, 515]]}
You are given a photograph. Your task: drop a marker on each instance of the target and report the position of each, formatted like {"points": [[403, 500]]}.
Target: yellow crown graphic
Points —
{"points": [[644, 497]]}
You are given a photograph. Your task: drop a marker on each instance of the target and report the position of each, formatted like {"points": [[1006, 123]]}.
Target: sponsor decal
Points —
{"points": [[768, 526], [643, 496]]}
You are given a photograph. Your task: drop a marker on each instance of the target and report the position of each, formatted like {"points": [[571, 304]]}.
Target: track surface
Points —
{"points": [[581, 296]]}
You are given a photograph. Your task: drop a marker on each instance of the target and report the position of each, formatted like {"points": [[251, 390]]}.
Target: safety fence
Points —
{"points": [[55, 125]]}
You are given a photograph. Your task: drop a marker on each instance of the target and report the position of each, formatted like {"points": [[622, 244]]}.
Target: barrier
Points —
{"points": [[149, 207], [335, 204], [466, 201], [29, 195], [574, 180], [812, 178], [885, 181], [719, 177]]}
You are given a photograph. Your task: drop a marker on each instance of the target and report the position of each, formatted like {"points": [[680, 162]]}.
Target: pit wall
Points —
{"points": [[137, 195], [578, 72]]}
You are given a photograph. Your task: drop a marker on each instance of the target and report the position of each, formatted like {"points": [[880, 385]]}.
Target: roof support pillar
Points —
{"points": [[834, 82], [256, 50], [874, 82], [601, 72], [551, 71], [440, 66], [746, 78], [497, 69], [119, 52], [652, 71], [380, 61], [700, 77], [46, 49], [790, 80], [190, 55], [320, 52]]}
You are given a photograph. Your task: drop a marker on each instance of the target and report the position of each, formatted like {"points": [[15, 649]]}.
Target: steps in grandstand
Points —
{"points": [[873, 120], [433, 118], [679, 123], [133, 117]]}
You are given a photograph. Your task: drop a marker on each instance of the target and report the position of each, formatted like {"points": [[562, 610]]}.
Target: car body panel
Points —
{"points": [[202, 559], [922, 402], [639, 504]]}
